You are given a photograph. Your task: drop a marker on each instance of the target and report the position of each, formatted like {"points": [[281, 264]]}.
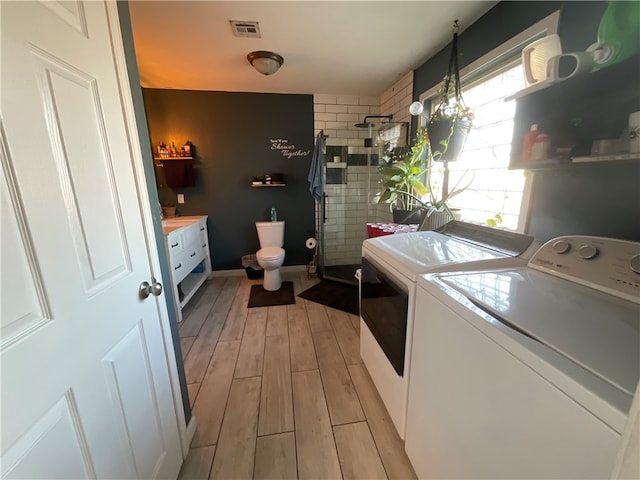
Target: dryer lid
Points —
{"points": [[412, 254]]}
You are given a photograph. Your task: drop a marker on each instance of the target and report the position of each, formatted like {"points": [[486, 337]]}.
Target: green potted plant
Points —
{"points": [[417, 186], [449, 125], [414, 181], [168, 209], [403, 171], [451, 121]]}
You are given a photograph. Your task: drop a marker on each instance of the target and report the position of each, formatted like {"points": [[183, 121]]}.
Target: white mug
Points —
{"points": [[576, 63], [634, 132]]}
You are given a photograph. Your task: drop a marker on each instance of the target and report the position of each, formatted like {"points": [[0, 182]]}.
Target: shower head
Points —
{"points": [[366, 124]]}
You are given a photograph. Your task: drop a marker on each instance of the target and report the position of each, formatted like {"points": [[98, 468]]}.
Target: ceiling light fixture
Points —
{"points": [[267, 63]]}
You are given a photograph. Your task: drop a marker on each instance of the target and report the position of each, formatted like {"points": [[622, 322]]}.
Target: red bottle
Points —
{"points": [[527, 143], [540, 148]]}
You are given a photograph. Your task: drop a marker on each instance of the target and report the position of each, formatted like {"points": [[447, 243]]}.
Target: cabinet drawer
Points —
{"points": [[195, 233], [193, 255], [179, 267], [175, 242], [191, 234], [186, 261]]}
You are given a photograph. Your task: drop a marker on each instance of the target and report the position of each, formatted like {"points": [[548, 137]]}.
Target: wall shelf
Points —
{"points": [[576, 162], [614, 157], [259, 185], [576, 112], [162, 159]]}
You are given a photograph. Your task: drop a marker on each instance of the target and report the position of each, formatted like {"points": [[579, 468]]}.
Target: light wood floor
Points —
{"points": [[281, 392]]}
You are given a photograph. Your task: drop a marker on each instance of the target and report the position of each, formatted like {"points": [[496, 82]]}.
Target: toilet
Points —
{"points": [[271, 254]]}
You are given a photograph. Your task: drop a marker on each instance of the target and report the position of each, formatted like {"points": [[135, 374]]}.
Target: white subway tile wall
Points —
{"points": [[396, 100], [349, 206]]}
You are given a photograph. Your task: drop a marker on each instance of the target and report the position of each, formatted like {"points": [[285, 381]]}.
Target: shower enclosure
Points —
{"points": [[350, 181]]}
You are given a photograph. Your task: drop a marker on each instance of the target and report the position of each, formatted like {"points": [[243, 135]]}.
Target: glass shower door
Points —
{"points": [[343, 213], [350, 180]]}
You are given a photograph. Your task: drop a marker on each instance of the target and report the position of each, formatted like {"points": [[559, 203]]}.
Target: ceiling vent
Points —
{"points": [[245, 29]]}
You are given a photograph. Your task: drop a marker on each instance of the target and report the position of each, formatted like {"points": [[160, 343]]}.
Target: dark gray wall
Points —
{"points": [[143, 134], [586, 199], [232, 134]]}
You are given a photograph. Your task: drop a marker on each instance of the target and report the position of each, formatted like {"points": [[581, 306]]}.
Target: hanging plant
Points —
{"points": [[410, 179], [451, 121]]}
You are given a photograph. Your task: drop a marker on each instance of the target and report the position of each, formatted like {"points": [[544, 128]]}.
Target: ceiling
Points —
{"points": [[358, 47]]}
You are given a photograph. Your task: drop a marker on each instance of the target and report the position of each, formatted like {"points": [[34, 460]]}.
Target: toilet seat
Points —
{"points": [[270, 253]]}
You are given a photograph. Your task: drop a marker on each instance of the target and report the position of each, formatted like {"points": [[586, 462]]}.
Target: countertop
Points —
{"points": [[174, 223]]}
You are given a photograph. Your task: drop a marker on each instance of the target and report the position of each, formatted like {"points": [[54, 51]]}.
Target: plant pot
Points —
{"points": [[168, 212], [439, 132], [436, 220], [408, 216]]}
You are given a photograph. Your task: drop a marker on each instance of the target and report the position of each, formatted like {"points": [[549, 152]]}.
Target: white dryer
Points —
{"points": [[391, 266], [526, 372]]}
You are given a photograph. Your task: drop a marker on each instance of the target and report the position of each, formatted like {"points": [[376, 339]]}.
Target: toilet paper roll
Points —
{"points": [[311, 243]]}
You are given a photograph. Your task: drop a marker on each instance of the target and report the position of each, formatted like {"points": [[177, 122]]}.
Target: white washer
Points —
{"points": [[391, 266], [527, 372]]}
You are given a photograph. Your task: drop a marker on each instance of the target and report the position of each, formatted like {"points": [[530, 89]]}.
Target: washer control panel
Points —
{"points": [[606, 264]]}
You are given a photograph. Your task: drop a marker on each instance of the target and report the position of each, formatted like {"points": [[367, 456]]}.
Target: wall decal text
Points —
{"points": [[288, 150]]}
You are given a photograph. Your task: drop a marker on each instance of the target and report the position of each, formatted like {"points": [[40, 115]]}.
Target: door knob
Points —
{"points": [[145, 289]]}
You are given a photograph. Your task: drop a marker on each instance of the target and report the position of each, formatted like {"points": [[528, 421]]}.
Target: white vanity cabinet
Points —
{"points": [[189, 257]]}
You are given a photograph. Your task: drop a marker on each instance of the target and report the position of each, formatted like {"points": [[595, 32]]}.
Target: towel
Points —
{"points": [[179, 173], [315, 171]]}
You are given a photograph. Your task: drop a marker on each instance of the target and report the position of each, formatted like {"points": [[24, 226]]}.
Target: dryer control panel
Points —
{"points": [[606, 264]]}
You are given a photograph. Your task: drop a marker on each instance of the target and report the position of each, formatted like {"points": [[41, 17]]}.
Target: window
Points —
{"points": [[494, 193], [494, 189]]}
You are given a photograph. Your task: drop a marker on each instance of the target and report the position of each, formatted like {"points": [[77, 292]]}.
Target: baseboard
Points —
{"points": [[228, 273], [240, 271], [294, 268]]}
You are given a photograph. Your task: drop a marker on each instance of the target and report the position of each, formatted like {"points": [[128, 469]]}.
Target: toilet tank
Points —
{"points": [[270, 234]]}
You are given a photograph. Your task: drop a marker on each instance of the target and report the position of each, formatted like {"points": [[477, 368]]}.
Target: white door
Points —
{"points": [[86, 363]]}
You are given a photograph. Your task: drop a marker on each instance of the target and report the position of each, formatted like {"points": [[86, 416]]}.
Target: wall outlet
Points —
{"points": [[181, 198]]}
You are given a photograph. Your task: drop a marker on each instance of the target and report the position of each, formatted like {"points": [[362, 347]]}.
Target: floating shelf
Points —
{"points": [[529, 90], [336, 165], [606, 158], [162, 159], [259, 185], [577, 161]]}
